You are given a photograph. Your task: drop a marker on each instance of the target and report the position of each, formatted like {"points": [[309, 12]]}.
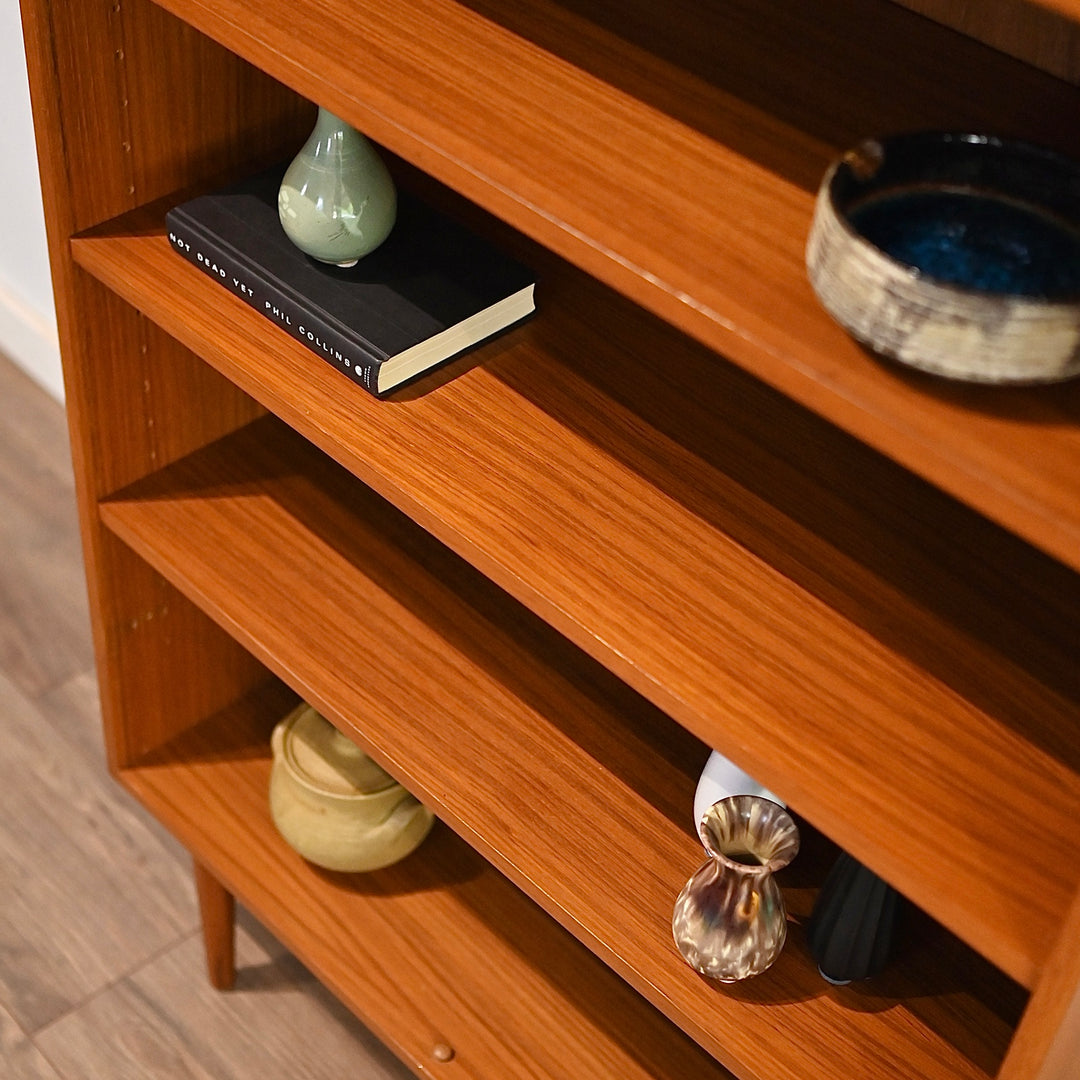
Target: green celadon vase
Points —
{"points": [[337, 201]]}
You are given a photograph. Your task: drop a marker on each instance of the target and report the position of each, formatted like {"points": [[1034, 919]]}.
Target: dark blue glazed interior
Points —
{"points": [[975, 240], [975, 212]]}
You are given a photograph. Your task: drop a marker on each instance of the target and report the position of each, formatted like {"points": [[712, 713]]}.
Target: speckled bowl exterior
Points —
{"points": [[957, 330]]}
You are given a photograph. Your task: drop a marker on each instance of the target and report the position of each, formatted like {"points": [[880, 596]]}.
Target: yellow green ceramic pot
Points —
{"points": [[336, 806]]}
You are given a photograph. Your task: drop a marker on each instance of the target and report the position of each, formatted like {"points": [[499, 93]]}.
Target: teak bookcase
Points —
{"points": [[677, 509]]}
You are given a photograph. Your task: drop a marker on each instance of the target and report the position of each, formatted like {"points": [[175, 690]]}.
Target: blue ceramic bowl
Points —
{"points": [[957, 254]]}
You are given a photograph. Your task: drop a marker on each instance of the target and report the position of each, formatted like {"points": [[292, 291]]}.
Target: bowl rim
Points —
{"points": [[868, 153]]}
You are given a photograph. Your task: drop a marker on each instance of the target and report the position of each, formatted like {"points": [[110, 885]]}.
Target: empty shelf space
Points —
{"points": [[790, 597], [674, 154], [456, 689], [438, 949]]}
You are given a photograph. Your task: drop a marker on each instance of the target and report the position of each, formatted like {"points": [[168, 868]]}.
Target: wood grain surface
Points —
{"points": [[43, 611], [1042, 32], [1047, 1044], [70, 841], [20, 1056], [657, 522], [98, 925], [437, 950], [217, 913], [166, 1023], [69, 922], [898, 668], [675, 156], [455, 689], [107, 141]]}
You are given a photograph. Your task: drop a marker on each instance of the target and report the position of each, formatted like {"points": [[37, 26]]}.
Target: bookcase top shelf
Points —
{"points": [[716, 123], [1069, 8]]}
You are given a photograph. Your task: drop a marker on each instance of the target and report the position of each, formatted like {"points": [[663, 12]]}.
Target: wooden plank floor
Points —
{"points": [[101, 970]]}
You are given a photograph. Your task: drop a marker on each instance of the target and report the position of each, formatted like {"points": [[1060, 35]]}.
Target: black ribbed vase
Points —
{"points": [[850, 933]]}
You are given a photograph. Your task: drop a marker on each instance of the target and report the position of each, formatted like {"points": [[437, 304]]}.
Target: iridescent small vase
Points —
{"points": [[730, 921], [337, 201]]}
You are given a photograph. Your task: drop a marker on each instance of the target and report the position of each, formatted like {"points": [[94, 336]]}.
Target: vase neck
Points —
{"points": [[333, 137], [750, 834]]}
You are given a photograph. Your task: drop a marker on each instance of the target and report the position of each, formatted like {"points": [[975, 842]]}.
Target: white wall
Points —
{"points": [[27, 315]]}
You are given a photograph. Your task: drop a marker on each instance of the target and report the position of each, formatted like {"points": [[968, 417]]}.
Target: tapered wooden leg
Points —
{"points": [[218, 910]]}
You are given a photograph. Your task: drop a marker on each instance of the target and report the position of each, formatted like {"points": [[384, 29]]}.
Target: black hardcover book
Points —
{"points": [[432, 289]]}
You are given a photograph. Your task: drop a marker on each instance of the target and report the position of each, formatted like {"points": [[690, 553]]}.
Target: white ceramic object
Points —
{"points": [[721, 778], [336, 806]]}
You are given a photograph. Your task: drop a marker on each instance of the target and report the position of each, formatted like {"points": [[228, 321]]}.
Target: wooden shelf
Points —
{"points": [[437, 949], [717, 123], [680, 509], [1040, 32], [455, 688], [595, 484]]}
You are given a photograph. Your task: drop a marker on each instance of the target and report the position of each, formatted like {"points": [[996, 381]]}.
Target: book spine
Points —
{"points": [[227, 267]]}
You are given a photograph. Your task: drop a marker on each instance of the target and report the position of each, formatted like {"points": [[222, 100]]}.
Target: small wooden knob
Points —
{"points": [[442, 1052]]}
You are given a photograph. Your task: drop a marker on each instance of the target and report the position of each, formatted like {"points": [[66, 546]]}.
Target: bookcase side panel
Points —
{"points": [[132, 103], [165, 666], [1047, 1042], [129, 104], [138, 400]]}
